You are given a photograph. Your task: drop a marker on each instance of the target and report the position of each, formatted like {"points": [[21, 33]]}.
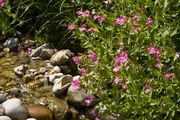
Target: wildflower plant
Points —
{"points": [[130, 62]]}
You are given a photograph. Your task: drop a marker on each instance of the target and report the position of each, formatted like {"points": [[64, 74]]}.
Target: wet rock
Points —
{"points": [[3, 97], [1, 110], [28, 77], [76, 96], [39, 112], [20, 70], [61, 85], [54, 76], [66, 69], [61, 57], [11, 43], [5, 118], [59, 108], [37, 52], [47, 54], [15, 109]]}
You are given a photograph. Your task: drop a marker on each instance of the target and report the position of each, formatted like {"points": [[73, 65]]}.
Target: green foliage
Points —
{"points": [[162, 101]]}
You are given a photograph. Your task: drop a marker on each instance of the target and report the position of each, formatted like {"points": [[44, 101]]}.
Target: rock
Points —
{"points": [[1, 110], [74, 114], [76, 96], [59, 108], [31, 119], [28, 77], [14, 92], [54, 76], [6, 50], [92, 113], [42, 70], [15, 109], [66, 69], [61, 57], [47, 53], [55, 69], [2, 54], [11, 43], [34, 84], [61, 85], [5, 118], [37, 52], [20, 70], [3, 97], [39, 112]]}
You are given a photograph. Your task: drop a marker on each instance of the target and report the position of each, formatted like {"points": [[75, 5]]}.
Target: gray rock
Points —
{"points": [[54, 76], [61, 85], [47, 53], [61, 57], [15, 109], [5, 118], [14, 92], [3, 97], [1, 110], [20, 70], [76, 96], [66, 69], [11, 43], [37, 52]]}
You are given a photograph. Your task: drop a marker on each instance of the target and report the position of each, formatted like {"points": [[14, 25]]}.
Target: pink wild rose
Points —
{"points": [[99, 18], [121, 57], [135, 29], [158, 64], [120, 21], [117, 80], [135, 18], [169, 75], [82, 27], [2, 3], [149, 21], [77, 59], [76, 82], [154, 51], [89, 99], [71, 26], [91, 30], [148, 88], [116, 69]]}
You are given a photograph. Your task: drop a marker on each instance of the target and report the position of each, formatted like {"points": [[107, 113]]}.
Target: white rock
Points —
{"points": [[1, 110], [5, 118], [31, 119], [15, 109], [54, 76]]}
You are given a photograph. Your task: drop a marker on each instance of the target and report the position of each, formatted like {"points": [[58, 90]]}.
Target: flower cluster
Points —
{"points": [[76, 82], [82, 13], [99, 18], [120, 20], [77, 59], [89, 99]]}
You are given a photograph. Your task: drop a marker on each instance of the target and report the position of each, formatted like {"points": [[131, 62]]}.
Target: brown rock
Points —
{"points": [[39, 112]]}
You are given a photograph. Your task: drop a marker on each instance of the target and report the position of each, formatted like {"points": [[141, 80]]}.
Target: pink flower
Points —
{"points": [[135, 18], [97, 118], [29, 50], [71, 26], [83, 71], [76, 82], [158, 64], [148, 88], [82, 28], [2, 3], [124, 86], [121, 57], [169, 75], [82, 13], [120, 21], [99, 18], [77, 59], [93, 57], [89, 99], [116, 69], [149, 21], [135, 29], [154, 51], [117, 80], [91, 30]]}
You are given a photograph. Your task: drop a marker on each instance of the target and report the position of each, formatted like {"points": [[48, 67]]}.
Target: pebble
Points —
{"points": [[3, 97], [5, 118]]}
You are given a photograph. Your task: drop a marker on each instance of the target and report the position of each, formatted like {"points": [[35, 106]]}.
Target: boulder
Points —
{"points": [[37, 52], [39, 112], [11, 43], [54, 76], [65, 69], [61, 57], [47, 53], [1, 110], [15, 109]]}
